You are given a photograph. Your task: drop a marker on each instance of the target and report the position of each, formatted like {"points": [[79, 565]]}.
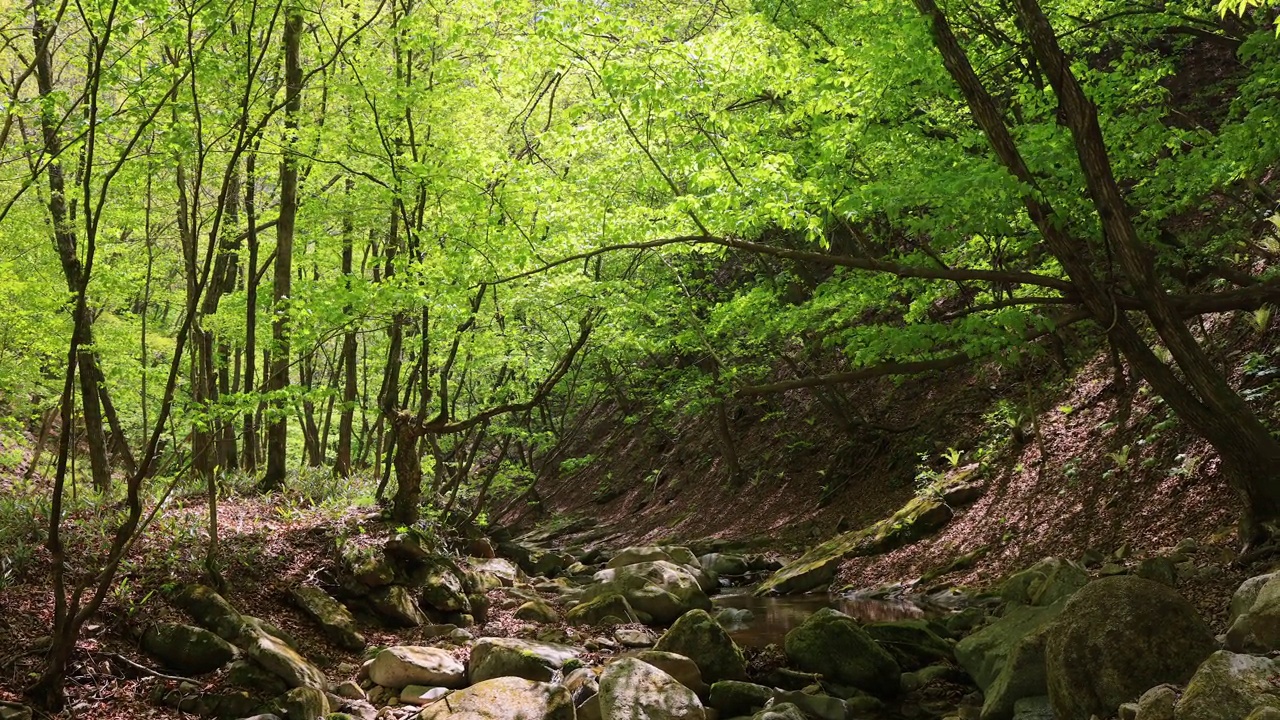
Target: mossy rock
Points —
{"points": [[834, 645], [697, 636], [597, 611], [912, 643], [921, 516], [186, 648]]}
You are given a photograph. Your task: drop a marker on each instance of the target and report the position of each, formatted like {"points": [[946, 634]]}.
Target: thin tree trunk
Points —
{"points": [[278, 429]]}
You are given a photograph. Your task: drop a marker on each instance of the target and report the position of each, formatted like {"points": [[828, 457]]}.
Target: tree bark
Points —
{"points": [[278, 429]]}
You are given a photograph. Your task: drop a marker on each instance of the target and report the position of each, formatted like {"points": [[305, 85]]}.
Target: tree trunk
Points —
{"points": [[249, 456], [278, 429]]}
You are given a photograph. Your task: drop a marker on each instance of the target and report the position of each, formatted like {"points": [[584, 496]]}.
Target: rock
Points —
{"points": [[635, 637], [1228, 685], [732, 698], [1246, 595], [439, 586], [368, 566], [494, 573], [802, 576], [512, 657], [911, 642], [783, 711], [984, 654], [537, 611], [593, 612], [187, 649], [697, 636], [252, 676], [14, 711], [1033, 708], [504, 698], [922, 515], [277, 657], [1044, 583], [662, 589], [822, 707], [833, 644], [1022, 676], [1157, 703], [1116, 638], [630, 688], [683, 669], [330, 615], [480, 548], [411, 547], [395, 604], [1158, 569], [965, 621], [350, 691], [422, 695], [302, 703], [633, 555], [1258, 628], [1092, 558], [730, 618], [724, 564], [404, 665], [681, 555], [212, 611], [1264, 713]]}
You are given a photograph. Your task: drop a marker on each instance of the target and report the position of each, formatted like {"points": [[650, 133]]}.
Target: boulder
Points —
{"points": [[662, 589], [783, 711], [513, 657], [984, 654], [921, 516], [912, 643], [1258, 628], [635, 637], [252, 676], [367, 566], [439, 586], [1158, 569], [1158, 703], [395, 604], [630, 688], [1044, 583], [277, 657], [1228, 685], [537, 611], [412, 547], [724, 564], [697, 636], [732, 698], [404, 665], [1246, 595], [330, 615], [834, 645], [823, 707], [186, 648], [1116, 638], [504, 698], [494, 573], [211, 610], [594, 611], [302, 703], [802, 576], [633, 555], [681, 668], [1022, 676]]}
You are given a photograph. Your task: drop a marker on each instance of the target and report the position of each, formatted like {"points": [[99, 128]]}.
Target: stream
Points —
{"points": [[773, 616]]}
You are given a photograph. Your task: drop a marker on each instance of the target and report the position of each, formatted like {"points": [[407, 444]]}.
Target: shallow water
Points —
{"points": [[774, 616]]}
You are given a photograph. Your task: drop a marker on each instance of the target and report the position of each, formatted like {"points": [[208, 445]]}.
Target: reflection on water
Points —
{"points": [[774, 616]]}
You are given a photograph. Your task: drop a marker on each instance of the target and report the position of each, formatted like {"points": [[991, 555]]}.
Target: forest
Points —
{"points": [[412, 309]]}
